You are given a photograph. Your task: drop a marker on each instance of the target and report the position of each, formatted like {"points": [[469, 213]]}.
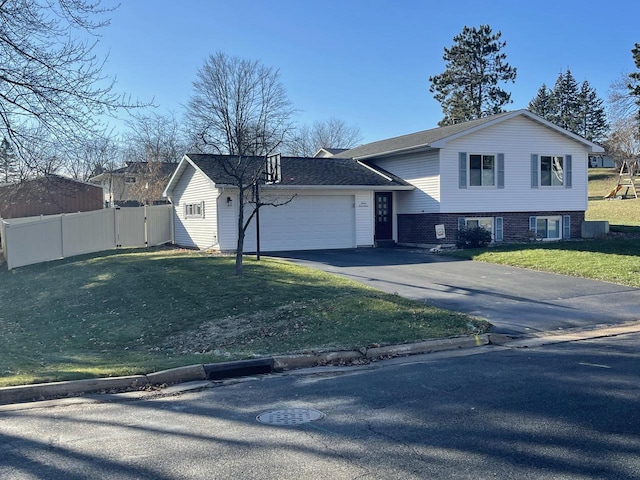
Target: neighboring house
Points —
{"points": [[515, 174], [122, 186], [49, 195], [329, 152], [601, 161]]}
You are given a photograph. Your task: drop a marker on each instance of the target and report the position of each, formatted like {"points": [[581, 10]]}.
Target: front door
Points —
{"points": [[384, 217]]}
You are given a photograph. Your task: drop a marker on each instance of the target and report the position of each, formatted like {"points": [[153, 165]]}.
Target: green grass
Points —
{"points": [[616, 261], [617, 212], [136, 311]]}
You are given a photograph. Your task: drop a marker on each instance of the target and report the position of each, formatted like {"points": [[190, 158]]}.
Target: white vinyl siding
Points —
{"points": [[364, 212], [198, 231], [516, 139], [422, 171]]}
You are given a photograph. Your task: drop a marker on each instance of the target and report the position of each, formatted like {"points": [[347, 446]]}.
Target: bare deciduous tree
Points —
{"points": [[624, 141], [621, 104], [155, 141], [333, 133], [51, 80], [239, 108], [154, 137], [94, 156]]}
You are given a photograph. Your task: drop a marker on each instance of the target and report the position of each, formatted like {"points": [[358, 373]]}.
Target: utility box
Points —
{"points": [[595, 229]]}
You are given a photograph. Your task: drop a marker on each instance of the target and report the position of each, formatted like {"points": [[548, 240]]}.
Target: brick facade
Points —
{"points": [[420, 228]]}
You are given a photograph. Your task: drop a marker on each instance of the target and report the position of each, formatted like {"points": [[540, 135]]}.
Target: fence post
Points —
{"points": [[116, 228], [61, 234], [146, 228]]}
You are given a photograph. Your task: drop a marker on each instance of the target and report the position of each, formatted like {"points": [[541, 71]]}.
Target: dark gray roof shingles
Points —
{"points": [[415, 140], [303, 171]]}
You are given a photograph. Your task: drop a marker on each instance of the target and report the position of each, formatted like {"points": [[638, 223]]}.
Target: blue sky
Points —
{"points": [[366, 62]]}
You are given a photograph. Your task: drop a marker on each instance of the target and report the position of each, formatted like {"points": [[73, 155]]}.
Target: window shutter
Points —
{"points": [[185, 210], [462, 170], [499, 229], [461, 223], [566, 227], [567, 171], [501, 170], [534, 170], [532, 224], [202, 209]]}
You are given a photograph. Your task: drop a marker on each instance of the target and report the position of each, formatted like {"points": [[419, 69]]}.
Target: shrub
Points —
{"points": [[476, 237]]}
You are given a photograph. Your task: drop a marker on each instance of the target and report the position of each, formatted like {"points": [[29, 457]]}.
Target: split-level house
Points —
{"points": [[514, 174]]}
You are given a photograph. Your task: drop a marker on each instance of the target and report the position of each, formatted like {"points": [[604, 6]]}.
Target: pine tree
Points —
{"points": [[593, 119], [542, 104], [574, 107], [8, 170], [566, 103], [469, 86], [634, 85]]}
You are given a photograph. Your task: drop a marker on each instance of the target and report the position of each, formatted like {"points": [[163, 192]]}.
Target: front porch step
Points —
{"points": [[385, 243]]}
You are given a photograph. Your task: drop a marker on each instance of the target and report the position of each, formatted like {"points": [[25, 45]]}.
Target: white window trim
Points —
{"points": [[560, 220], [495, 171], [493, 224], [194, 207], [562, 185]]}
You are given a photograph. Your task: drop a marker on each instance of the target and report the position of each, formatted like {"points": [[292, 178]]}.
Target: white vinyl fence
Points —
{"points": [[30, 240]]}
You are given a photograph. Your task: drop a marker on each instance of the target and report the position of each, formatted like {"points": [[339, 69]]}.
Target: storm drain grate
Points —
{"points": [[290, 416]]}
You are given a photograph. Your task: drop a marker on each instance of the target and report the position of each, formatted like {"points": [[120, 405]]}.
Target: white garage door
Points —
{"points": [[309, 222]]}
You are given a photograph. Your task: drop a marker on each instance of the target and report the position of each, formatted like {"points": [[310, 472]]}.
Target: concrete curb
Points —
{"points": [[552, 338], [291, 362], [217, 371], [43, 391], [175, 375]]}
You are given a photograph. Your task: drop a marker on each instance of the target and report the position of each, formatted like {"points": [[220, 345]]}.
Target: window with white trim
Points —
{"points": [[551, 171], [194, 210], [547, 228], [494, 225], [480, 222], [482, 170]]}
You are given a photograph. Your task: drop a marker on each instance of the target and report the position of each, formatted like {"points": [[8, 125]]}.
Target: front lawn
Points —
{"points": [[133, 312], [610, 260]]}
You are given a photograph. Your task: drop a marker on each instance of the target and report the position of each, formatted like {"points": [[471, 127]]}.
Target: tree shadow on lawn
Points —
{"points": [[521, 413]]}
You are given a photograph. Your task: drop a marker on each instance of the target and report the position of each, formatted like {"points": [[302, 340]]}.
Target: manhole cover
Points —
{"points": [[290, 416]]}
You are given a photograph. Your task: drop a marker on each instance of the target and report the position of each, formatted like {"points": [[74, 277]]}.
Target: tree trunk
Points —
{"points": [[240, 244]]}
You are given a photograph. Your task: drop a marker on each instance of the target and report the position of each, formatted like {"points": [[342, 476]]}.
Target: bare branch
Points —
{"points": [[51, 81]]}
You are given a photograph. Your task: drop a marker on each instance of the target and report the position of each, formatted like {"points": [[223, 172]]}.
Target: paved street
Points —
{"points": [[565, 411], [514, 300]]}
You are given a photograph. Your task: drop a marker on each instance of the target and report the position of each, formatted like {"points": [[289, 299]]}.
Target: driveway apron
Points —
{"points": [[514, 300]]}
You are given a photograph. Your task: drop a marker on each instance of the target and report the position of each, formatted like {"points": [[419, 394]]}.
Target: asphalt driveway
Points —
{"points": [[514, 300]]}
